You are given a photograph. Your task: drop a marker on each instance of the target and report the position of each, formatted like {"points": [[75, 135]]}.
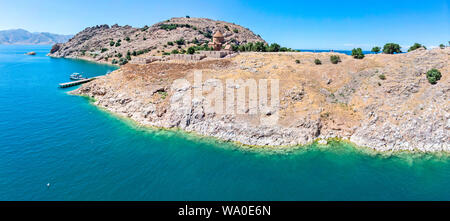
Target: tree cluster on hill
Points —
{"points": [[261, 47], [169, 27], [416, 46]]}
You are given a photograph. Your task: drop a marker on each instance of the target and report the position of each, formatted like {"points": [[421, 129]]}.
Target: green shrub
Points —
{"points": [[382, 77], [391, 48], [297, 61], [144, 28], [128, 55], [227, 28], [114, 61], [442, 46], [111, 43], [170, 43], [357, 53], [415, 46], [187, 16], [180, 41], [123, 61], [175, 51], [168, 27], [119, 55], [195, 41], [234, 47], [191, 50], [317, 62], [235, 30], [433, 76], [127, 39], [376, 49], [117, 44], [207, 34], [144, 38], [335, 59], [165, 53], [104, 49]]}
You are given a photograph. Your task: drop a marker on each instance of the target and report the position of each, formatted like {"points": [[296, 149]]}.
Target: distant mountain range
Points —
{"points": [[21, 36]]}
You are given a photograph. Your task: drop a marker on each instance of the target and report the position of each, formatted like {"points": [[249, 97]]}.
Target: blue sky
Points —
{"points": [[296, 24]]}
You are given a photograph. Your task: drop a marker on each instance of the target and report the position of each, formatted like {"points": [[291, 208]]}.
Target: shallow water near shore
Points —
{"points": [[85, 153]]}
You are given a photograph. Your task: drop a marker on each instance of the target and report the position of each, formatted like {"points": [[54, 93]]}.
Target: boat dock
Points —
{"points": [[74, 83]]}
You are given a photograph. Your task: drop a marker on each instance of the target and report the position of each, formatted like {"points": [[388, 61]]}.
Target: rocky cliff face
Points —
{"points": [[350, 100], [103, 43]]}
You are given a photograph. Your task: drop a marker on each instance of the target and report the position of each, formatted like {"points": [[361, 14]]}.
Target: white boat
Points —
{"points": [[76, 77]]}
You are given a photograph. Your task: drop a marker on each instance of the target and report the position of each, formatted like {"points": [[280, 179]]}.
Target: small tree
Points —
{"points": [[128, 55], [111, 43], [335, 59], [317, 62], [123, 61], [416, 46], [433, 76], [442, 46], [191, 50], [357, 53], [376, 49], [391, 48]]}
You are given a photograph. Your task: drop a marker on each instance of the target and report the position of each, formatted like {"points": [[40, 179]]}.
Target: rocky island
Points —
{"points": [[107, 44], [383, 101]]}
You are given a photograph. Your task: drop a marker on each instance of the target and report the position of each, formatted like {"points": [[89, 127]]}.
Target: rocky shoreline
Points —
{"points": [[318, 102]]}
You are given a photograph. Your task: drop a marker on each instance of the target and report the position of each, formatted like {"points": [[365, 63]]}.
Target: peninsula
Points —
{"points": [[381, 101]]}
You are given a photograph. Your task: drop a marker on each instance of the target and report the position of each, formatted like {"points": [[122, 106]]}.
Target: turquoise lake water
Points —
{"points": [[48, 136]]}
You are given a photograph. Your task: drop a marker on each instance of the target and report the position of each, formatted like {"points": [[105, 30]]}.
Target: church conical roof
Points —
{"points": [[218, 34]]}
